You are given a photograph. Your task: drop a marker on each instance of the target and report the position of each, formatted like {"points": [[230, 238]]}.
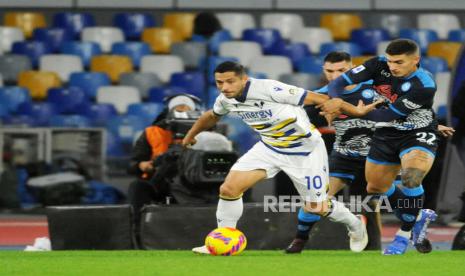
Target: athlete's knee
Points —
{"points": [[372, 189], [318, 208], [412, 177], [229, 191]]}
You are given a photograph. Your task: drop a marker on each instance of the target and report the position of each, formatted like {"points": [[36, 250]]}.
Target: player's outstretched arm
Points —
{"points": [[313, 98], [446, 131], [351, 110], [205, 122]]}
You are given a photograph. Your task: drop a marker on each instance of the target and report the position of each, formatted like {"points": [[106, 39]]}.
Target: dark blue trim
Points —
{"points": [[347, 79], [307, 217], [390, 191], [342, 175], [413, 191], [301, 101], [397, 182], [405, 151], [381, 162], [424, 76], [396, 110], [285, 153], [243, 96]]}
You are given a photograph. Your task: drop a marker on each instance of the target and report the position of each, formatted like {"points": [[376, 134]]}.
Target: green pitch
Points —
{"points": [[250, 262]]}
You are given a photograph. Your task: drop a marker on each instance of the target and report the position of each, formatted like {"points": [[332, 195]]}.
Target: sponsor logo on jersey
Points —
{"points": [[410, 105], [368, 93], [386, 74], [358, 69], [264, 114], [277, 89], [405, 86], [292, 91]]}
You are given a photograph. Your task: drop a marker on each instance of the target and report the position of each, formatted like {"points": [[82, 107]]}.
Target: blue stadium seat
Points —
{"points": [[133, 24], [12, 96], [89, 82], [422, 36], [4, 111], [310, 64], [218, 38], [349, 47], [214, 61], [158, 94], [85, 49], [40, 111], [193, 82], [212, 95], [457, 35], [20, 120], [98, 114], [434, 64], [73, 22], [368, 39], [294, 51], [33, 49], [257, 75], [125, 127], [69, 121], [54, 37], [114, 147], [67, 100], [135, 50], [146, 111], [269, 39]]}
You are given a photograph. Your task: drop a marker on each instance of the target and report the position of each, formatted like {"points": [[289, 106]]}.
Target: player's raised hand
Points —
{"points": [[331, 107], [446, 131], [188, 141]]}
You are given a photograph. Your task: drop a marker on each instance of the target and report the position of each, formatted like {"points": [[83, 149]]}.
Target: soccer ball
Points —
{"points": [[225, 241]]}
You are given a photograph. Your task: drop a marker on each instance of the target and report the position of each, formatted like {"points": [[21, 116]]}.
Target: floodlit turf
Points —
{"points": [[251, 262]]}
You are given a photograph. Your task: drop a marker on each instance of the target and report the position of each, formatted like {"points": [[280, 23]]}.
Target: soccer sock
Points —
{"points": [[306, 222], [340, 213], [412, 205], [229, 211]]}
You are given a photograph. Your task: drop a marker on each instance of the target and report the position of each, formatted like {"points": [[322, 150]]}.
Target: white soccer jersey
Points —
{"points": [[274, 110]]}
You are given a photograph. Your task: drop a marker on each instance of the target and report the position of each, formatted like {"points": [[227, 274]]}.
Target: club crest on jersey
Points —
{"points": [[368, 93], [405, 86], [277, 89], [292, 91], [259, 104], [358, 69]]}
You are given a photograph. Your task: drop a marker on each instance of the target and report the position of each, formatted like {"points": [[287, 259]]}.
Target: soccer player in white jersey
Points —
{"points": [[289, 142]]}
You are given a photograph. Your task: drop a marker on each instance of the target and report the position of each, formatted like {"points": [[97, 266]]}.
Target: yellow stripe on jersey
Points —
{"points": [[283, 124], [295, 137], [280, 134], [260, 126]]}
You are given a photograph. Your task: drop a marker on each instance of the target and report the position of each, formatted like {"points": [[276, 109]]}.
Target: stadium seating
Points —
{"points": [[38, 82], [446, 50], [85, 50], [434, 64], [112, 65], [269, 39], [12, 96], [125, 127], [457, 35], [160, 39], [133, 24], [69, 121], [134, 50], [98, 114], [359, 60], [311, 65], [67, 100], [104, 36], [162, 65], [180, 23], [244, 51], [33, 49], [120, 96], [313, 37], [381, 48], [285, 23], [340, 24], [303, 80], [62, 65], [20, 121], [143, 81], [217, 38], [294, 51], [349, 47], [439, 22], [89, 82], [272, 66], [368, 39], [8, 36], [236, 23], [159, 94], [422, 37], [192, 53], [40, 111], [73, 22], [53, 37], [12, 65], [391, 22], [146, 111], [192, 82], [26, 21]]}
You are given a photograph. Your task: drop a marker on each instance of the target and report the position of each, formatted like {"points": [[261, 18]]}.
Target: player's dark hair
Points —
{"points": [[337, 56], [401, 47], [230, 66]]}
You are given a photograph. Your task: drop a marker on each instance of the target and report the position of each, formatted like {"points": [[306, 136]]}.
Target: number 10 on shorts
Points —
{"points": [[315, 181]]}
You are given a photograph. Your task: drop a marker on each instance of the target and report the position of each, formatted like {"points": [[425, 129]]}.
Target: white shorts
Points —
{"points": [[308, 173]]}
